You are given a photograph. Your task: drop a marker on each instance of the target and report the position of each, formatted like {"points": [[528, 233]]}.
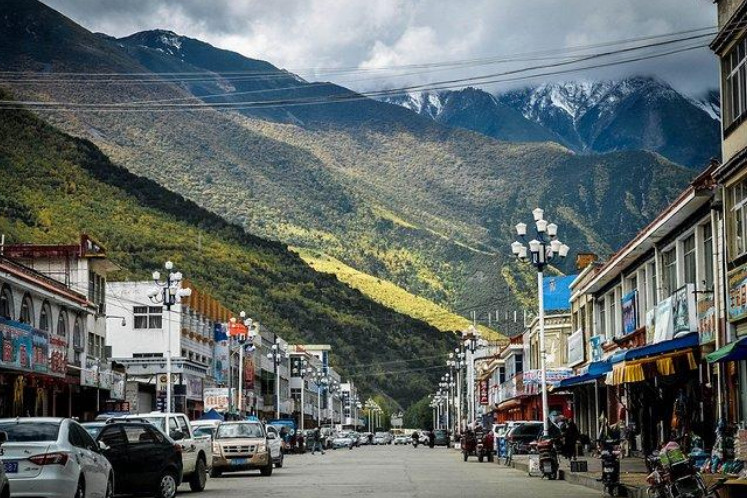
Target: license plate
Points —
{"points": [[548, 468], [239, 461], [10, 467], [609, 470]]}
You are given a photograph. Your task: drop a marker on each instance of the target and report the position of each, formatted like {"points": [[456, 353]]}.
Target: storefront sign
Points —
{"points": [[484, 392], [194, 387], [221, 362], [737, 293], [89, 374], [576, 348], [57, 355], [630, 313], [106, 379], [595, 343], [664, 328], [706, 319], [117, 391], [23, 347], [216, 398], [684, 313]]}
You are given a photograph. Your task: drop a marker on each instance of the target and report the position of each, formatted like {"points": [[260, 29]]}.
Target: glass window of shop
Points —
{"points": [[669, 274], [602, 324], [6, 303], [708, 256], [738, 198], [27, 311], [44, 317], [689, 260], [734, 68]]}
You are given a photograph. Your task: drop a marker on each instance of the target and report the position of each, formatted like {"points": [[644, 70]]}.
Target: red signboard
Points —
{"points": [[484, 392], [236, 329]]}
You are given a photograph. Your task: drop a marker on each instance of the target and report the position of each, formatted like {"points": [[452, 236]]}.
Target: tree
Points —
{"points": [[419, 415]]}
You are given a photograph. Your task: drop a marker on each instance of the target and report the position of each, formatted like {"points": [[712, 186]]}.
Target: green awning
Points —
{"points": [[735, 351]]}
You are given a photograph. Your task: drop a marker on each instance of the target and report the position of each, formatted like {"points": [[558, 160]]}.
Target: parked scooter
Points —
{"points": [[610, 456], [548, 458]]}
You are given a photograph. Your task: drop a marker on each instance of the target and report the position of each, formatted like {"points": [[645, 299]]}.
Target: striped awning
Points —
{"points": [[648, 368]]}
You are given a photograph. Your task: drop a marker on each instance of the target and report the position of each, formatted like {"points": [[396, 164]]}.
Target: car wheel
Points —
{"points": [[279, 463], [199, 477], [166, 485], [80, 490], [215, 473], [267, 469], [110, 487]]}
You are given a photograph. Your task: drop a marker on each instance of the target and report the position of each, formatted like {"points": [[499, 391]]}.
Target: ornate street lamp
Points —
{"points": [[277, 354], [168, 293], [302, 369], [545, 247]]}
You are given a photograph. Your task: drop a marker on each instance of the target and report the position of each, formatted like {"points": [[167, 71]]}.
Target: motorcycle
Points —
{"points": [[610, 456], [672, 475], [548, 458], [415, 442]]}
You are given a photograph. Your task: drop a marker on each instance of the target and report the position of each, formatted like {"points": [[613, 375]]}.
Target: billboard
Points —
{"points": [[24, 348], [217, 398], [684, 313], [706, 319], [629, 313], [484, 392], [664, 327], [576, 348], [737, 287], [220, 354]]}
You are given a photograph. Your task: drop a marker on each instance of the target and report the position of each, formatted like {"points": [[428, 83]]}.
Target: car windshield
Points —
{"points": [[19, 432], [439, 432], [203, 431], [381, 434], [157, 421], [239, 431], [526, 429]]}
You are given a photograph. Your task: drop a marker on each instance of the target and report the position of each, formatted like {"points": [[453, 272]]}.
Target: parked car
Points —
{"points": [[363, 438], [344, 440], [402, 439], [241, 446], [441, 437], [93, 428], [382, 438], [144, 459], [54, 457], [4, 484], [195, 450], [275, 445], [521, 435]]}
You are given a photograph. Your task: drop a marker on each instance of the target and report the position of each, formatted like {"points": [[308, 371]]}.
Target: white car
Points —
{"points": [[54, 457], [275, 444], [4, 484], [343, 440]]}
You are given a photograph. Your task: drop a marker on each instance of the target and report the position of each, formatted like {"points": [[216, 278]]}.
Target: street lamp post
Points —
{"points": [[320, 379], [277, 355], [241, 339], [542, 249], [302, 369], [168, 292]]}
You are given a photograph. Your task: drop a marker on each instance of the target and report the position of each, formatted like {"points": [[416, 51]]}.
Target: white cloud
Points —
{"points": [[306, 35]]}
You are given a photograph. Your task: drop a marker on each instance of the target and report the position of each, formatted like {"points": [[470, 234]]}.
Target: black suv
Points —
{"points": [[144, 459], [523, 434]]}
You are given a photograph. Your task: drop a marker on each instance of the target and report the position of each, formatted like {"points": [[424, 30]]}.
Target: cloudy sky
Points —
{"points": [[378, 37]]}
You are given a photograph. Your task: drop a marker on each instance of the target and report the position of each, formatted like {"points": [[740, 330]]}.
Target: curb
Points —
{"points": [[588, 482]]}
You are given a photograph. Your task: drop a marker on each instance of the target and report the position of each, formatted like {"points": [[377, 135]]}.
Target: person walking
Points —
{"points": [[317, 441]]}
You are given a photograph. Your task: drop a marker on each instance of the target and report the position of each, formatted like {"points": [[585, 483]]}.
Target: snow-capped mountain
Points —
{"points": [[634, 113], [637, 113]]}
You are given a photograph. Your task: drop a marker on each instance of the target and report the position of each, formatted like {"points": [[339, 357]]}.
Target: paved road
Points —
{"points": [[391, 472]]}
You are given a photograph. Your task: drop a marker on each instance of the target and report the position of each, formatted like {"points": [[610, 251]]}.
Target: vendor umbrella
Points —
{"points": [[735, 351]]}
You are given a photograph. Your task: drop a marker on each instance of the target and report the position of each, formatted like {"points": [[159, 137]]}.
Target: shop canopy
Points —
{"points": [[212, 414], [735, 351], [645, 362], [596, 370]]}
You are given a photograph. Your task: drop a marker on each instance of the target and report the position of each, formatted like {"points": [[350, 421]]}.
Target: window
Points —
{"points": [[27, 311], [688, 255], [653, 295], [6, 303], [612, 316], [708, 256], [62, 324], [519, 361], [147, 317], [46, 313], [735, 84], [738, 198], [138, 434], [601, 304], [113, 436], [669, 263], [77, 341]]}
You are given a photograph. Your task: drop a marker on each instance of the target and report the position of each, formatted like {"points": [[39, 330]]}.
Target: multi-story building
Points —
{"points": [[141, 341], [81, 270], [730, 45]]}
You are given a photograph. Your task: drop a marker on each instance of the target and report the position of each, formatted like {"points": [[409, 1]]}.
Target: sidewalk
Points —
{"points": [[633, 474]]}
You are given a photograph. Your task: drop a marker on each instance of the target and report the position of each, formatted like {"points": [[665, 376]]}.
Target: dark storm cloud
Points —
{"points": [[310, 36]]}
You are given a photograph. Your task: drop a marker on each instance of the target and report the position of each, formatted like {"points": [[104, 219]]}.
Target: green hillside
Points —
{"points": [[390, 295], [55, 186]]}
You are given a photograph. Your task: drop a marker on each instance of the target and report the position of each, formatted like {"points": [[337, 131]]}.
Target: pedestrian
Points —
{"points": [[432, 439], [317, 441]]}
